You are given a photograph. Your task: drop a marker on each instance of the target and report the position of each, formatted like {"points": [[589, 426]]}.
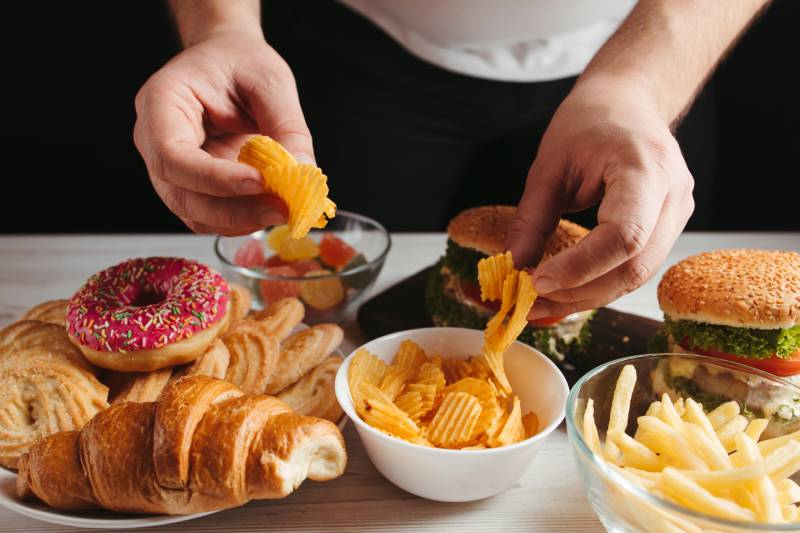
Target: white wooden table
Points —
{"points": [[550, 496]]}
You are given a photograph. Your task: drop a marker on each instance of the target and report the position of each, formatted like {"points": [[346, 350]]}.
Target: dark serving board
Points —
{"points": [[614, 334]]}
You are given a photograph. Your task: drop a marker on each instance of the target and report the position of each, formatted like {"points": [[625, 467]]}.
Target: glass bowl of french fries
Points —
{"points": [[330, 270], [658, 452], [436, 450]]}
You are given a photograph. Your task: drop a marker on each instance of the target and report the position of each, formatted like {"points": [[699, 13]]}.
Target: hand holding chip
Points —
{"points": [[607, 142], [192, 117]]}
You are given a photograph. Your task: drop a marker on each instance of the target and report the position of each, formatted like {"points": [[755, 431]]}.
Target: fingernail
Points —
{"points": [[305, 158], [545, 285], [249, 186]]}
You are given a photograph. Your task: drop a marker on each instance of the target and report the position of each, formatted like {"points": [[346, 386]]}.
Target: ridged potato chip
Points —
{"points": [[413, 405], [382, 414], [455, 420], [512, 430], [410, 354], [492, 272], [365, 367], [531, 424], [455, 369], [394, 379], [431, 374], [302, 187], [486, 396]]}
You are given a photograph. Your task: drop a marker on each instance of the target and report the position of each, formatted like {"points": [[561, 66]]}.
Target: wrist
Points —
{"points": [[199, 35], [625, 89]]}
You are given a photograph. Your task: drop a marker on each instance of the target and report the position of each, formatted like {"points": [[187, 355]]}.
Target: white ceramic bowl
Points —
{"points": [[461, 475]]}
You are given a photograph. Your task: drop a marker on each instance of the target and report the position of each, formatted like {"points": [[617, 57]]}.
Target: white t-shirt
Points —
{"points": [[511, 40]]}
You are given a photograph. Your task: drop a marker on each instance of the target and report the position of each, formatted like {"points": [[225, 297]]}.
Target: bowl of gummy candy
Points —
{"points": [[330, 270]]}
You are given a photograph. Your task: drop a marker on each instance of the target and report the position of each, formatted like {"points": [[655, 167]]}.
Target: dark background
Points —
{"points": [[71, 70]]}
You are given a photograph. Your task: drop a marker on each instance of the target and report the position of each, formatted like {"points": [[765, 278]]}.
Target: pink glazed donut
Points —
{"points": [[148, 313]]}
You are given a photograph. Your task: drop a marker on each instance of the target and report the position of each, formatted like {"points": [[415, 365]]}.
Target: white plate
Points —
{"points": [[99, 519]]}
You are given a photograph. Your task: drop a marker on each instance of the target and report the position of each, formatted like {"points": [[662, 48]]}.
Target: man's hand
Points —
{"points": [[606, 141], [192, 117], [610, 139]]}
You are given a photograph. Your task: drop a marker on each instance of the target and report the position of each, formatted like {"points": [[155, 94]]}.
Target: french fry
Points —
{"points": [[756, 427], [621, 400], [788, 491], [710, 450], [636, 454], [727, 431], [671, 443], [774, 465], [723, 413], [669, 414], [695, 497], [590, 435], [770, 445], [763, 489], [694, 414]]}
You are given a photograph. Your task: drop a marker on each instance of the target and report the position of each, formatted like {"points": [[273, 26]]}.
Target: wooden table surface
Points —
{"points": [[549, 497]]}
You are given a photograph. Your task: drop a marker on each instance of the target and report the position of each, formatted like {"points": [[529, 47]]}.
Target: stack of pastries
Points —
{"points": [[232, 405]]}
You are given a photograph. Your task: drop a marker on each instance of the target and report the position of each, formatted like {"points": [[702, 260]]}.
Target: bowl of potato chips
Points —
{"points": [[658, 451], [434, 419], [330, 270]]}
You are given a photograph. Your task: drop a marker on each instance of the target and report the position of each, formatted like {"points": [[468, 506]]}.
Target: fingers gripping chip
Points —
{"points": [[304, 188], [492, 272], [455, 420]]}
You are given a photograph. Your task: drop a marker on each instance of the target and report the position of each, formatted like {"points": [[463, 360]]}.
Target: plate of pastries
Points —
{"points": [[155, 394]]}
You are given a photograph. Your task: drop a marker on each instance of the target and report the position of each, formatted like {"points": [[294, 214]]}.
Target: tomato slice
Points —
{"points": [[473, 292], [774, 365]]}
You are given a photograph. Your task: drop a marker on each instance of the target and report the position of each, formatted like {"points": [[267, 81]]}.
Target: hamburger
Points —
{"points": [[738, 305], [453, 296]]}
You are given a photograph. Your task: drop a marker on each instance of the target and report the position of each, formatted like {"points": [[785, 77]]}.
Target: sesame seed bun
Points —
{"points": [[741, 288], [484, 229]]}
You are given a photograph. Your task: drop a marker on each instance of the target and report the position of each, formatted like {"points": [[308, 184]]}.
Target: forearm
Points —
{"points": [[197, 19], [669, 47]]}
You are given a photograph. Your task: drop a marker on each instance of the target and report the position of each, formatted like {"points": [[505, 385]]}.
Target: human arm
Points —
{"points": [[611, 141], [195, 112]]}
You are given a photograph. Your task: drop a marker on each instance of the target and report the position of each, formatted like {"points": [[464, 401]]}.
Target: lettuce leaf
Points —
{"points": [[746, 342], [462, 261]]}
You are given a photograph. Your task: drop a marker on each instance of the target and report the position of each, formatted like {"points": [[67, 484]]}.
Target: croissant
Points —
{"points": [[204, 445]]}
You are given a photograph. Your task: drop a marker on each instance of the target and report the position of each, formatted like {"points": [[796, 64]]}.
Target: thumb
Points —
{"points": [[275, 106], [537, 217]]}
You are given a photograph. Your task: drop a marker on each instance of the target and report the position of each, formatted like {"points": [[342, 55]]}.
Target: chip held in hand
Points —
{"points": [[302, 187]]}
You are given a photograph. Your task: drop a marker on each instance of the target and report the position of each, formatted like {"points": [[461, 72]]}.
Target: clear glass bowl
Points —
{"points": [[620, 504], [367, 236]]}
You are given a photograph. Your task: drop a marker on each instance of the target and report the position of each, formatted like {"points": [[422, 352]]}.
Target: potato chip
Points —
{"points": [[427, 390], [410, 354], [413, 404], [394, 379], [455, 369], [479, 369], [492, 272], [387, 417], [481, 390], [531, 424], [430, 374], [302, 187], [365, 367], [517, 292], [455, 420], [512, 430]]}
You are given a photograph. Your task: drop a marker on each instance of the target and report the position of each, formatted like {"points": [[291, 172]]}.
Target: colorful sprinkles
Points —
{"points": [[146, 303]]}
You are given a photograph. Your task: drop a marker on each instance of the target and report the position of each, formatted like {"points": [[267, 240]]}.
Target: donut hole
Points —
{"points": [[145, 298]]}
